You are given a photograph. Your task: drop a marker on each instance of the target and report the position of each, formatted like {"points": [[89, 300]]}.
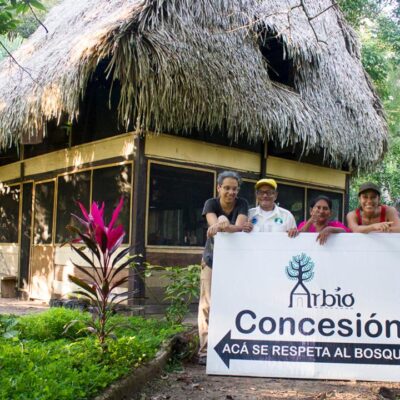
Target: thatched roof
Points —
{"points": [[197, 64]]}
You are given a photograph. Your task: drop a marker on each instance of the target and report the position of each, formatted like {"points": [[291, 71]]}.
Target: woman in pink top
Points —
{"points": [[320, 212]]}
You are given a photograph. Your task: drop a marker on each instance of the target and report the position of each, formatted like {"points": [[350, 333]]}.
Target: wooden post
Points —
{"points": [[263, 161], [138, 222], [346, 198]]}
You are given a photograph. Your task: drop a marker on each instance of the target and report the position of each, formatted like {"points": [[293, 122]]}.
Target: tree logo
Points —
{"points": [[300, 269]]}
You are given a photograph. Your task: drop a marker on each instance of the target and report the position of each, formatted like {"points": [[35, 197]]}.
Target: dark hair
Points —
{"points": [[321, 197], [228, 174]]}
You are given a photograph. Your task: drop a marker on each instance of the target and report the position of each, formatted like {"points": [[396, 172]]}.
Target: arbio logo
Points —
{"points": [[301, 270]]}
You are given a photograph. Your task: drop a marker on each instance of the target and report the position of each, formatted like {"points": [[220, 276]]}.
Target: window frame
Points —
{"points": [[162, 248], [53, 223], [91, 169], [18, 242], [306, 187], [57, 193]]}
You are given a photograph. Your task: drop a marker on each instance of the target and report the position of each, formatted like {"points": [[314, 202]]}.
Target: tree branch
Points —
{"points": [[37, 19], [323, 11]]}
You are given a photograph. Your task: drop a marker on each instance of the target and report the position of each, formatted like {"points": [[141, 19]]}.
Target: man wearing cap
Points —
{"points": [[372, 216], [267, 216]]}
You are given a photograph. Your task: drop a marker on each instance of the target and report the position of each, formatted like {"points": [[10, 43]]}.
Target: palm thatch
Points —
{"points": [[196, 65]]}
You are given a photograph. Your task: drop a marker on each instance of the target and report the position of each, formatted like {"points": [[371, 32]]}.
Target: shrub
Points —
{"points": [[8, 325], [182, 288], [41, 367], [52, 324]]}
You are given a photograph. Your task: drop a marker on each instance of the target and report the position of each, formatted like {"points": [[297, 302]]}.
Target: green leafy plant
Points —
{"points": [[54, 367], [51, 325], [182, 289], [8, 326], [10, 10], [107, 265]]}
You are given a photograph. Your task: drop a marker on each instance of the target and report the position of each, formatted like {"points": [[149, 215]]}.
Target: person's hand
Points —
{"points": [[323, 235], [223, 223], [212, 230], [313, 218], [247, 227], [293, 232], [382, 226]]}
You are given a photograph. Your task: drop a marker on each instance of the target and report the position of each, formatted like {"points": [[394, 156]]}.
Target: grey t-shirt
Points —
{"points": [[214, 206]]}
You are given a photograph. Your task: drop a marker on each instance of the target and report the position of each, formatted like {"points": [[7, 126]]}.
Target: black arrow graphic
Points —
{"points": [[318, 352]]}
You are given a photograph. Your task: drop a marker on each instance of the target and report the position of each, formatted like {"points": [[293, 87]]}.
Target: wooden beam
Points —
{"points": [[263, 160], [138, 221], [346, 207]]}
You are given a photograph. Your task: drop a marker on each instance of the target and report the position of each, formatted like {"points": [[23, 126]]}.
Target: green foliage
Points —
{"points": [[388, 33], [10, 44], [182, 289], [62, 369], [29, 22], [8, 327], [51, 325], [377, 64], [378, 24], [183, 286], [18, 21], [11, 11], [356, 11]]}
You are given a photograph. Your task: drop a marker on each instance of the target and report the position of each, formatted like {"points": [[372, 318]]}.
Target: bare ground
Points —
{"points": [[21, 307], [192, 383]]}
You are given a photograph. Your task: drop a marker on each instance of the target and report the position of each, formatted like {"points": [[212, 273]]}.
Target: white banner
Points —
{"points": [[292, 308]]}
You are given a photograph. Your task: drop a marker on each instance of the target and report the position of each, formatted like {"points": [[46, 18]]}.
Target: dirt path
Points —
{"points": [[21, 307], [192, 383]]}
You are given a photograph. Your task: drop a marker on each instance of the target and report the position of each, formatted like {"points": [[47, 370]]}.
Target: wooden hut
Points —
{"points": [[150, 99]]}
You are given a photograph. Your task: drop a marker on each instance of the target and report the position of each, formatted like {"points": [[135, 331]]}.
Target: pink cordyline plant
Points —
{"points": [[107, 237], [102, 278]]}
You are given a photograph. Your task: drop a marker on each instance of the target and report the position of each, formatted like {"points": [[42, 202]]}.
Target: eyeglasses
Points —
{"points": [[268, 193]]}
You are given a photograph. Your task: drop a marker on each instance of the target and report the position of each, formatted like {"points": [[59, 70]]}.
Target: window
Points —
{"points": [[109, 185], [71, 189], [176, 201], [248, 192], [337, 202], [9, 211], [292, 198], [43, 213]]}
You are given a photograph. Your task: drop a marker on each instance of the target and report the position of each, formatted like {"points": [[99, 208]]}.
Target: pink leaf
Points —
{"points": [[101, 238], [116, 213], [84, 212], [115, 237], [97, 215], [80, 220]]}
